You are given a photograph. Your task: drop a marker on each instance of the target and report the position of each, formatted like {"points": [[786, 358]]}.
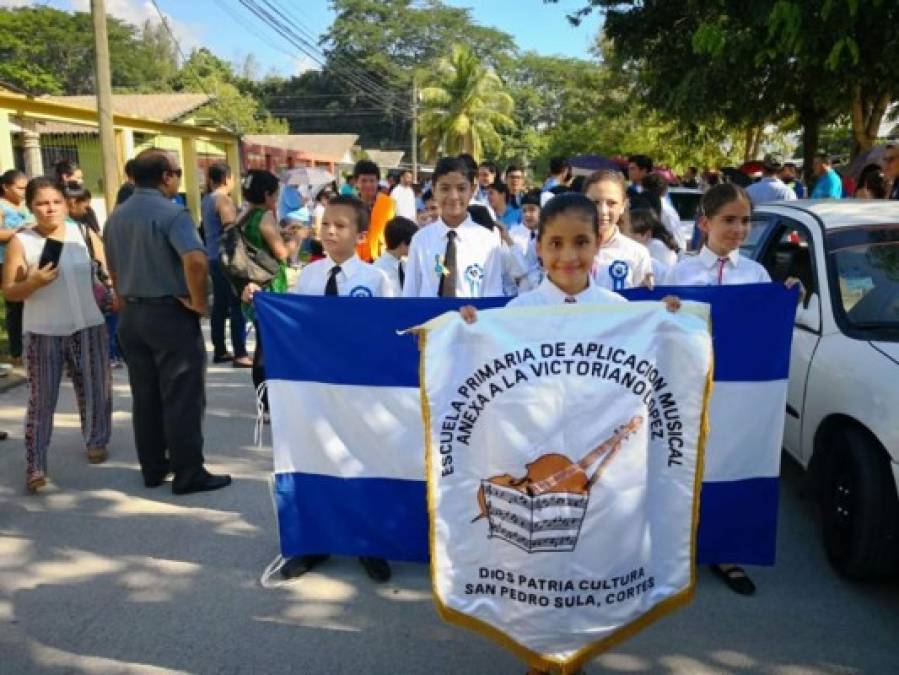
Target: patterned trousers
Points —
{"points": [[85, 356]]}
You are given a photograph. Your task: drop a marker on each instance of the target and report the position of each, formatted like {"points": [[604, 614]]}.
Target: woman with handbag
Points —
{"points": [[266, 249], [50, 268]]}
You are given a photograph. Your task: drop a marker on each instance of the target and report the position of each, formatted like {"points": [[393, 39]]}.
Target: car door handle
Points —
{"points": [[792, 412]]}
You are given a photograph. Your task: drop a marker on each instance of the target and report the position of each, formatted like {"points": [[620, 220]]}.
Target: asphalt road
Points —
{"points": [[101, 575]]}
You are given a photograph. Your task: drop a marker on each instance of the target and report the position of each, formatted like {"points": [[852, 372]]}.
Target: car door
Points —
{"points": [[789, 251]]}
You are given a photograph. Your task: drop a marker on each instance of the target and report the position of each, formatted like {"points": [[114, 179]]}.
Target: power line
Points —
{"points": [[293, 34]]}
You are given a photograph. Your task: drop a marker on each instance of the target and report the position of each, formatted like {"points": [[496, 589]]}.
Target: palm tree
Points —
{"points": [[463, 107]]}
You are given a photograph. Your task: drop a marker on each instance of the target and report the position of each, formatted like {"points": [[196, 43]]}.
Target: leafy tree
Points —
{"points": [[464, 107], [234, 106]]}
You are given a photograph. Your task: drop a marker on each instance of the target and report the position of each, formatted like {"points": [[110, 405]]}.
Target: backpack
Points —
{"points": [[244, 262]]}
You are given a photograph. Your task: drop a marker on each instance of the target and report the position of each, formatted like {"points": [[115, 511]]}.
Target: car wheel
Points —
{"points": [[860, 513]]}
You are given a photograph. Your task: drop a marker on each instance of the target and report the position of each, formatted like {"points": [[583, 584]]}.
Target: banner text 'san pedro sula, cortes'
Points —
{"points": [[585, 359]]}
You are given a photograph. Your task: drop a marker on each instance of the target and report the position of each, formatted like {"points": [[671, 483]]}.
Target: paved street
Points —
{"points": [[99, 574]]}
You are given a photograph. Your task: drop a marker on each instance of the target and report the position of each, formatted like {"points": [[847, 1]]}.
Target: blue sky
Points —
{"points": [[235, 33]]}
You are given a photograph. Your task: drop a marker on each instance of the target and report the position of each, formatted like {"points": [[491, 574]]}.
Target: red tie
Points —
{"points": [[721, 263]]}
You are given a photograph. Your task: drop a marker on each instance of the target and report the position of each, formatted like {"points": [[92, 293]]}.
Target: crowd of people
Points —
{"points": [[86, 297]]}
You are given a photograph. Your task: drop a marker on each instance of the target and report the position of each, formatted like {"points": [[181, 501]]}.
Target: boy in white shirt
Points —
{"points": [[342, 271], [525, 235], [398, 235], [454, 257]]}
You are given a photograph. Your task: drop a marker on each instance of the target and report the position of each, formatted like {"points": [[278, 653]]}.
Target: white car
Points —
{"points": [[686, 202], [842, 416]]}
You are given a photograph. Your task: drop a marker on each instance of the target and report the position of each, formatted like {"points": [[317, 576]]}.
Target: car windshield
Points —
{"points": [[866, 265], [685, 203]]}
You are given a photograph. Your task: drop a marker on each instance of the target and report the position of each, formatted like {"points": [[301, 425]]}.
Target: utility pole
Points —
{"points": [[414, 129], [104, 103]]}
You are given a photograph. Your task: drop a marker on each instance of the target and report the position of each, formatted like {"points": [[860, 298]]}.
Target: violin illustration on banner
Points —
{"points": [[543, 510]]}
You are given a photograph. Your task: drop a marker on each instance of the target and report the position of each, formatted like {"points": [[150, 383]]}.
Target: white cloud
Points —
{"points": [[305, 63], [139, 11]]}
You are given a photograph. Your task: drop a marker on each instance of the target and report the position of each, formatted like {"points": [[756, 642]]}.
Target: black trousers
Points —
{"points": [[166, 359], [258, 372], [14, 311]]}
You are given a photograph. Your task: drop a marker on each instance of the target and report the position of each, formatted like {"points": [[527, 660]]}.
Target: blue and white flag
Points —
{"points": [[348, 439]]}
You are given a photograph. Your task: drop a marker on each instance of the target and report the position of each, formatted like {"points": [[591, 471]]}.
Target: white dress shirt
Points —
{"points": [[671, 220], [390, 265], [621, 263], [547, 293], [658, 251], [405, 201], [356, 279], [479, 261], [707, 269], [526, 241]]}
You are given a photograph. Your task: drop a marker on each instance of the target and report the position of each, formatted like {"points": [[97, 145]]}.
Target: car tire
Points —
{"points": [[859, 508]]}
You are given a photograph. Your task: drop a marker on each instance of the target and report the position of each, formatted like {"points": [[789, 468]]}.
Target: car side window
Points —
{"points": [[760, 225], [789, 252]]}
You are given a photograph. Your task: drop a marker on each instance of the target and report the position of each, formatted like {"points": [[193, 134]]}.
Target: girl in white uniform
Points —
{"points": [[567, 243], [726, 211], [620, 261]]}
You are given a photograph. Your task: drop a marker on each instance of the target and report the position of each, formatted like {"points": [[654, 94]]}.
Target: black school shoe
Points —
{"points": [[223, 358], [199, 481], [299, 565], [376, 568], [153, 479], [735, 578]]}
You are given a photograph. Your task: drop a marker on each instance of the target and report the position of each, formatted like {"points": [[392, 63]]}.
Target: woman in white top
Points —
{"points": [[63, 327], [724, 221]]}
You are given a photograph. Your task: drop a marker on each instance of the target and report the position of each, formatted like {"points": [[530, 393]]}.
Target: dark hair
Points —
{"points": [[324, 193], [655, 184], [366, 167], [257, 184], [427, 195], [150, 166], [513, 167], [40, 183], [642, 161], [64, 167], [129, 169], [470, 162], [646, 220], [577, 185], [791, 165], [72, 189], [481, 216], [399, 231], [500, 187], [316, 248], [557, 165], [447, 165], [489, 165], [823, 156], [9, 177], [873, 181], [719, 196], [356, 205], [570, 202], [218, 173], [606, 175], [531, 197]]}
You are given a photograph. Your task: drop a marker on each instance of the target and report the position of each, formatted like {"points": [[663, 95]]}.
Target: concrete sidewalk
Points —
{"points": [[101, 575]]}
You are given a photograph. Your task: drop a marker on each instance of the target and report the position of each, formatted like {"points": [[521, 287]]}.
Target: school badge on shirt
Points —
{"points": [[474, 276], [361, 292], [618, 271]]}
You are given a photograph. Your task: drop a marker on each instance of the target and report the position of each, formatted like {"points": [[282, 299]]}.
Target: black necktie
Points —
{"points": [[448, 280], [401, 273], [533, 234], [331, 286]]}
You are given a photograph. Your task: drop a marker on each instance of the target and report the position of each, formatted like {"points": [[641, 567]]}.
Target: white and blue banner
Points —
{"points": [[348, 438], [574, 435]]}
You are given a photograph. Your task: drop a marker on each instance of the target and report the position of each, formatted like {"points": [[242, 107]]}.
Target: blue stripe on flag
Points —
{"points": [[387, 518], [361, 346], [380, 517], [347, 340], [752, 326], [738, 521]]}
